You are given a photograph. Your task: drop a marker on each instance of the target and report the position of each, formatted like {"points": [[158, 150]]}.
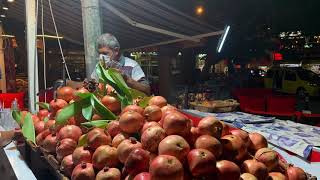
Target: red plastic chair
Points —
{"points": [[8, 98]]}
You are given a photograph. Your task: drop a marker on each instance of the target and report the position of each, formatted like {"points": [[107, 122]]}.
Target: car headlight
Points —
{"points": [[313, 84]]}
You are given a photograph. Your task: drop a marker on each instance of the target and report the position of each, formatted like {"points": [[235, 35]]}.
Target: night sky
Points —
{"points": [[281, 15]]}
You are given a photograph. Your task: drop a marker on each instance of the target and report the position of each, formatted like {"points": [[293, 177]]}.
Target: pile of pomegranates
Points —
{"points": [[156, 143]]}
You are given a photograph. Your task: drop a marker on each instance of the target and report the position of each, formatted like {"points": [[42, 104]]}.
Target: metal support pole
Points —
{"points": [[91, 31], [31, 28]]}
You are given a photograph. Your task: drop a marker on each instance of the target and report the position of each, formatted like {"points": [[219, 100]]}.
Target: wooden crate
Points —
{"points": [[43, 165]]}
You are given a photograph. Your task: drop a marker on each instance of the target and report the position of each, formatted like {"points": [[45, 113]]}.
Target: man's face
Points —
{"points": [[112, 53]]}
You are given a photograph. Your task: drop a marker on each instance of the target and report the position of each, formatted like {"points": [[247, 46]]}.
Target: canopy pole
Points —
{"points": [[91, 31], [31, 27], [3, 82]]}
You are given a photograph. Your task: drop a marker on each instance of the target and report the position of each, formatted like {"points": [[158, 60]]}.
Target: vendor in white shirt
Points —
{"points": [[109, 51]]}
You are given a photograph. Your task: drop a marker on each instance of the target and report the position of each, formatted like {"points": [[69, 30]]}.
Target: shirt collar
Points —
{"points": [[122, 60]]}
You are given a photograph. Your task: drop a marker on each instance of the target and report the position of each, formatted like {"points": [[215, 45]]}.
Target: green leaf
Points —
{"points": [[28, 129], [104, 112], [144, 102], [46, 119], [98, 123], [122, 85], [137, 94], [100, 70], [87, 112], [124, 102], [67, 112], [83, 141], [44, 105], [99, 73], [83, 95], [16, 116]]}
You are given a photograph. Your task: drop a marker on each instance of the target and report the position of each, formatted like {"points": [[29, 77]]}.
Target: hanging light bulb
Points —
{"points": [[10, 1]]}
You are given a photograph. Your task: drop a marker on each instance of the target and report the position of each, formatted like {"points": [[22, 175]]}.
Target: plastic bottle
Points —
{"points": [[14, 105]]}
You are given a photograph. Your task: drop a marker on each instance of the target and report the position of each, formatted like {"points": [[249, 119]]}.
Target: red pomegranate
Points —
{"points": [[105, 156], [126, 147], [209, 143], [50, 143], [98, 137], [66, 93], [277, 176], [268, 157], [158, 101], [167, 108], [255, 168], [112, 103], [135, 108], [257, 142], [118, 139], [131, 122], [201, 162], [247, 176], [227, 170], [65, 147], [177, 124], [152, 113], [41, 136], [83, 171], [151, 138], [81, 154], [67, 165], [23, 115], [296, 173], [243, 135], [142, 176], [35, 118], [234, 148], [57, 104], [210, 126], [137, 162], [164, 114], [165, 167], [49, 124], [225, 129], [113, 128], [109, 174], [70, 131], [43, 113], [96, 117], [39, 127], [192, 137], [147, 125], [174, 145]]}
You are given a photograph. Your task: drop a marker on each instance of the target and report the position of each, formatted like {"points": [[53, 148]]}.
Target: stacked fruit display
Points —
{"points": [[156, 142]]}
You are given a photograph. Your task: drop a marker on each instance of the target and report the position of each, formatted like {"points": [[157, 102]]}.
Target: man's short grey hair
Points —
{"points": [[108, 40]]}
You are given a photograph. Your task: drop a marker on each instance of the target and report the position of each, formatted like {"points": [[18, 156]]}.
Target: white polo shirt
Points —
{"points": [[130, 68]]}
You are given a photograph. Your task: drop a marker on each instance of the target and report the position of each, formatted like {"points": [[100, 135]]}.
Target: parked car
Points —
{"points": [[293, 80]]}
